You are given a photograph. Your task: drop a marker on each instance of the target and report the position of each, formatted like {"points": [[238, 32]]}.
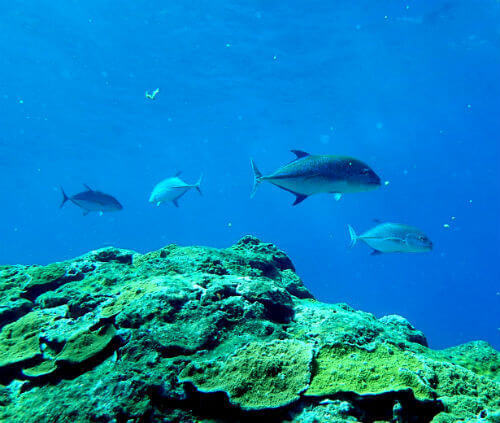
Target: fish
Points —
{"points": [[171, 189], [393, 238], [92, 201], [313, 174]]}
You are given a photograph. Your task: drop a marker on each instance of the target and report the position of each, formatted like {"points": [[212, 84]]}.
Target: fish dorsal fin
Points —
{"points": [[178, 173], [87, 187], [300, 154]]}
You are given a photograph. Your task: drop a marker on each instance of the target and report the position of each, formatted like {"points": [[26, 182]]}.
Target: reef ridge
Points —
{"points": [[198, 334]]}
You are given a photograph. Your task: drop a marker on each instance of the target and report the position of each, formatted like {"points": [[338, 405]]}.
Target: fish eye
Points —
{"points": [[365, 171]]}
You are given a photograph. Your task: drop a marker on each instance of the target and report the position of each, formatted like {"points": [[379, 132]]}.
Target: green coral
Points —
{"points": [[85, 345], [477, 356], [349, 368], [194, 321], [258, 376], [19, 341]]}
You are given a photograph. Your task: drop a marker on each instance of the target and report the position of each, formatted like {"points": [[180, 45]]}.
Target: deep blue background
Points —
{"points": [[412, 88]]}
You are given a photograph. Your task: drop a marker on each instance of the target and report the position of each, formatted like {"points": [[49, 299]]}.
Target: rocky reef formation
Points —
{"points": [[195, 334]]}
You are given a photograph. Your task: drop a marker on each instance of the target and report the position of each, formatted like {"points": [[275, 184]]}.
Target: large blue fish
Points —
{"points": [[93, 201], [393, 238], [313, 174]]}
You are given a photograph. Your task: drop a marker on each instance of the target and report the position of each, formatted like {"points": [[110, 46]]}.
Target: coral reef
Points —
{"points": [[196, 334]]}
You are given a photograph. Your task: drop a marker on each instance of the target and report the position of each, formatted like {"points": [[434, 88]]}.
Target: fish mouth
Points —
{"points": [[375, 180]]}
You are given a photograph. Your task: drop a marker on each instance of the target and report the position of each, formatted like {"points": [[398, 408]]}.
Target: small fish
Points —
{"points": [[171, 189], [92, 201], [393, 238], [313, 174]]}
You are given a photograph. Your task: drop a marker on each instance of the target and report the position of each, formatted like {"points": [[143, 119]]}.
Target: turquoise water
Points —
{"points": [[411, 88]]}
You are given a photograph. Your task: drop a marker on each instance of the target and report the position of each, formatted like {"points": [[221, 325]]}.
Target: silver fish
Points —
{"points": [[171, 189], [313, 174], [393, 238], [92, 201]]}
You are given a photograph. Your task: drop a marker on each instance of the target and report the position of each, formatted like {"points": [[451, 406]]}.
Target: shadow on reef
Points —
{"points": [[391, 406], [197, 334]]}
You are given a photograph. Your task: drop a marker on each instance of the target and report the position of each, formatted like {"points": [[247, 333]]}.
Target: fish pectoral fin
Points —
{"points": [[87, 187], [337, 196], [375, 253], [158, 204], [299, 198], [176, 204]]}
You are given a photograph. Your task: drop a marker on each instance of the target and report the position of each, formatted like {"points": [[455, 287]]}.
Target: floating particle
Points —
{"points": [[405, 172], [386, 183], [386, 17], [470, 201], [379, 125], [229, 224], [453, 217], [446, 225], [228, 45], [152, 96], [21, 101], [358, 27], [469, 106], [275, 58]]}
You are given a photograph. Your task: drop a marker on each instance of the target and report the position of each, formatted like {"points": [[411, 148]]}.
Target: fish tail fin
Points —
{"points": [[352, 234], [65, 198], [257, 177], [197, 185]]}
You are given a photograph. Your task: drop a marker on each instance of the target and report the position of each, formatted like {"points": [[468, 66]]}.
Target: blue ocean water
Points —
{"points": [[410, 87]]}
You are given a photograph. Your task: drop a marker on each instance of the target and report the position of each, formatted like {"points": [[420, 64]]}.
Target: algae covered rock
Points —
{"points": [[257, 376], [198, 334], [348, 368]]}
